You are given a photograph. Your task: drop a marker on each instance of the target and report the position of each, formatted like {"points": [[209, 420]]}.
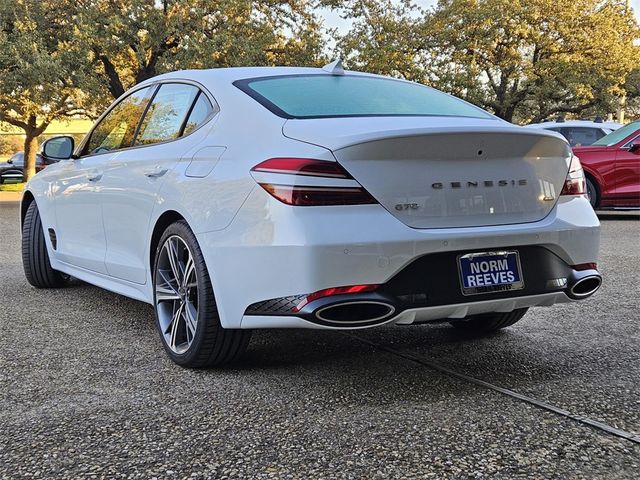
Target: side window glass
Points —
{"points": [[18, 159], [117, 129], [631, 142], [581, 136], [201, 112], [166, 114]]}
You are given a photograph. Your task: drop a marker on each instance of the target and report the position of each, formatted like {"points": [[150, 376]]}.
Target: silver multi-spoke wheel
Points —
{"points": [[176, 288], [186, 313]]}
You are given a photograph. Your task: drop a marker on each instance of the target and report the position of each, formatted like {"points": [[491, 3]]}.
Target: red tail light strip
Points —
{"points": [[302, 166], [328, 292]]}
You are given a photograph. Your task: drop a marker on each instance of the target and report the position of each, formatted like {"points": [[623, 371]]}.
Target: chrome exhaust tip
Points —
{"points": [[584, 284], [356, 313]]}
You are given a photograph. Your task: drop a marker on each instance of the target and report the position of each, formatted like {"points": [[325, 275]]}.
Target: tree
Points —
{"points": [[388, 38], [536, 58], [632, 88], [132, 40], [522, 60], [40, 73]]}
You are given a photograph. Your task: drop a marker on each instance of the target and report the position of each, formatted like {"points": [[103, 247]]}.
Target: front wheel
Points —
{"points": [[489, 322], [185, 307], [35, 257]]}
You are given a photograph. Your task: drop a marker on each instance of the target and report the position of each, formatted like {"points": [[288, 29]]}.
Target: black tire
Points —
{"points": [[212, 345], [35, 257], [592, 193], [489, 322]]}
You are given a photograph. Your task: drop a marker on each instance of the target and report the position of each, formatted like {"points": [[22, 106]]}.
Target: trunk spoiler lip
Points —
{"points": [[362, 136]]}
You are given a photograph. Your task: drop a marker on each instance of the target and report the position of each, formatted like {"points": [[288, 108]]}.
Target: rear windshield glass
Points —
{"points": [[319, 96], [618, 135]]}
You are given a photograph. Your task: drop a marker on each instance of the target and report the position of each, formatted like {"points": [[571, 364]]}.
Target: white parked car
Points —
{"points": [[246, 198], [579, 133]]}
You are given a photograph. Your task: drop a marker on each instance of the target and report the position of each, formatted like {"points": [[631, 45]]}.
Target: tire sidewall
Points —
{"points": [[592, 193], [205, 293]]}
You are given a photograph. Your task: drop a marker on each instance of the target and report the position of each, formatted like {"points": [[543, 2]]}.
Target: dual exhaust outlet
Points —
{"points": [[374, 309]]}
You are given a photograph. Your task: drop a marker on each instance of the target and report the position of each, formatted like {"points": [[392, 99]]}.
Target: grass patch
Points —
{"points": [[12, 187]]}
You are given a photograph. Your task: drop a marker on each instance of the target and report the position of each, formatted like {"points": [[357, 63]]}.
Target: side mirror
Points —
{"points": [[58, 148], [635, 148], [10, 160]]}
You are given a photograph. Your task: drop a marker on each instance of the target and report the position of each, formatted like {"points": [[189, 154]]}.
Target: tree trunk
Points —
{"points": [[30, 150]]}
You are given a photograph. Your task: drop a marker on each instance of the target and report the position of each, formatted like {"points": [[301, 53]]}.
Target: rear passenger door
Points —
{"points": [[131, 182]]}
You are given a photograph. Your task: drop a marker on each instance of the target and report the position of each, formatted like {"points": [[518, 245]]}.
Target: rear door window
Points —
{"points": [[166, 115], [200, 113]]}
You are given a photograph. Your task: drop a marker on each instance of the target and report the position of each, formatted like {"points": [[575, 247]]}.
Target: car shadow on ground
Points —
{"points": [[509, 351], [618, 215]]}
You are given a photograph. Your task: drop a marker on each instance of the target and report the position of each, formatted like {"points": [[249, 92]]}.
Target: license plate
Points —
{"points": [[489, 272]]}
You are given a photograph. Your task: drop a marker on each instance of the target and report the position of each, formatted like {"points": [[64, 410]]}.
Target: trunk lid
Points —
{"points": [[447, 172]]}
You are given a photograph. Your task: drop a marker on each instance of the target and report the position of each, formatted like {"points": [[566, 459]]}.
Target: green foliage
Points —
{"points": [[132, 40], [10, 144], [387, 38], [524, 60], [41, 74]]}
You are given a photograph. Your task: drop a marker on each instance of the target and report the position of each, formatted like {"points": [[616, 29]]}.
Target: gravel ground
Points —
{"points": [[87, 391]]}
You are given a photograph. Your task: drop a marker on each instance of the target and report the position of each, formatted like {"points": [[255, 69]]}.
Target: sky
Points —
{"points": [[332, 19]]}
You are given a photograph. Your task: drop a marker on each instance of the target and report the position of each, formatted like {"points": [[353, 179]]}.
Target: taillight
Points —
{"points": [[575, 182], [309, 196], [302, 166], [309, 189], [328, 292]]}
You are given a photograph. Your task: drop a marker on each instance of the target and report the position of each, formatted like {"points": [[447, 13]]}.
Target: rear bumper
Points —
{"points": [[430, 285], [271, 251], [415, 315]]}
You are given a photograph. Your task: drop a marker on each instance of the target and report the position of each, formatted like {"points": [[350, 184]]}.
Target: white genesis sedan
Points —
{"points": [[244, 198]]}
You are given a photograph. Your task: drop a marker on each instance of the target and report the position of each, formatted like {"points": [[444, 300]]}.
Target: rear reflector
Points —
{"points": [[328, 292], [585, 266], [317, 194], [575, 182]]}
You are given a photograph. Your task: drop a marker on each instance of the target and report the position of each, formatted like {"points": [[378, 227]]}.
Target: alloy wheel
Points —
{"points": [[176, 294]]}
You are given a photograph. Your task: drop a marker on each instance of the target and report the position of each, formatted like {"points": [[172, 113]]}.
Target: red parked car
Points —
{"points": [[612, 168]]}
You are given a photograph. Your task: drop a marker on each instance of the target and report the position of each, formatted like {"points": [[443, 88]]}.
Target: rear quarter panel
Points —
{"points": [[599, 163]]}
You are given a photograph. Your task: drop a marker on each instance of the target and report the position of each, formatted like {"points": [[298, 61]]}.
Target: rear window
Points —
{"points": [[321, 96]]}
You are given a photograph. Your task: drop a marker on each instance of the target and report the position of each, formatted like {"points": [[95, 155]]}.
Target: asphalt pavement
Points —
{"points": [[88, 392]]}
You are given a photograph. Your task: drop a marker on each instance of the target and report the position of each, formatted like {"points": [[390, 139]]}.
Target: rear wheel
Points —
{"points": [[35, 257], [592, 193], [489, 322], [185, 307]]}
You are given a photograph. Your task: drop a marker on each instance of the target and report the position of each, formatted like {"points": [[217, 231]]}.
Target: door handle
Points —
{"points": [[156, 172], [94, 176]]}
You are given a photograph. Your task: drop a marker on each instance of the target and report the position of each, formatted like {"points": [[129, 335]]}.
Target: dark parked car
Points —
{"points": [[12, 168]]}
